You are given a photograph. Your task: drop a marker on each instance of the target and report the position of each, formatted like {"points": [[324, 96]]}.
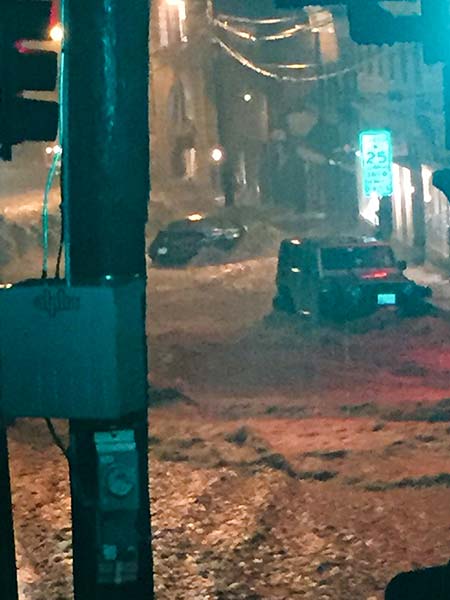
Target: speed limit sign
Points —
{"points": [[375, 147]]}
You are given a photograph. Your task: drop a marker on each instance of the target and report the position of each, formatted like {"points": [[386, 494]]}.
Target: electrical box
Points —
{"points": [[72, 352], [117, 508]]}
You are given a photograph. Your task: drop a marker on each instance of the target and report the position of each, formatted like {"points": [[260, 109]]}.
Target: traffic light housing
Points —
{"points": [[441, 181], [371, 24], [436, 31], [23, 119]]}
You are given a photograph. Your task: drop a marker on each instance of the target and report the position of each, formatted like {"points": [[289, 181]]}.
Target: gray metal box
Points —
{"points": [[72, 352]]}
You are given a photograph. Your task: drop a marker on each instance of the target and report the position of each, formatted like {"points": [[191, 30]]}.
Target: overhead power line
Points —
{"points": [[269, 70], [223, 22], [264, 21], [247, 35], [261, 70]]}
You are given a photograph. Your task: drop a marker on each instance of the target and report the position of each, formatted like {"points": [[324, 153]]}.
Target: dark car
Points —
{"points": [[343, 278], [182, 240]]}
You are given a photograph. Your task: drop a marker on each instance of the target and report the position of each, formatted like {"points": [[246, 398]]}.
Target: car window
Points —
{"points": [[189, 236], [296, 257], [357, 257]]}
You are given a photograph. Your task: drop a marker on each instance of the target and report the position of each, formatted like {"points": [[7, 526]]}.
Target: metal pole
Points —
{"points": [[222, 107], [106, 183], [5, 82], [446, 92], [418, 207], [8, 576]]}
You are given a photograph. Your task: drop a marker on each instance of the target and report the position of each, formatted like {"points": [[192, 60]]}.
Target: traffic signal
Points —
{"points": [[371, 24], [441, 180], [436, 30], [21, 70]]}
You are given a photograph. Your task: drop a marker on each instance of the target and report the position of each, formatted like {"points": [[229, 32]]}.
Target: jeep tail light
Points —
{"points": [[375, 275]]}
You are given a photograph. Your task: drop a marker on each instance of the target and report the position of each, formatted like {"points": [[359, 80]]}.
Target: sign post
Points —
{"points": [[8, 578], [376, 162], [106, 187]]}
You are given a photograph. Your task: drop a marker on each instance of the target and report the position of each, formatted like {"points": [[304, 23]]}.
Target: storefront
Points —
{"points": [[437, 218], [402, 206]]}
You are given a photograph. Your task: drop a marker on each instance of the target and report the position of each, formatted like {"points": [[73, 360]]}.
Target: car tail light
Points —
{"points": [[376, 275]]}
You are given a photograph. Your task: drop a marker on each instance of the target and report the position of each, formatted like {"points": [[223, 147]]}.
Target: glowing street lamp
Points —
{"points": [[247, 97], [217, 155], [57, 33], [195, 217]]}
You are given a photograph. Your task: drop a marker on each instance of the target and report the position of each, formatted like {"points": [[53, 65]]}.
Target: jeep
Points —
{"points": [[343, 278]]}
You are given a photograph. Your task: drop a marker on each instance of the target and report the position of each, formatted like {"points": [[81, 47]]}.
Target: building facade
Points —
{"points": [[183, 119], [283, 99]]}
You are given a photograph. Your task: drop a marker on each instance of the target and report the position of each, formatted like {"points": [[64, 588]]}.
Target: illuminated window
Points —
{"points": [[405, 54], [369, 60], [381, 65], [190, 163], [418, 65], [163, 25], [322, 23], [182, 20], [392, 65], [427, 175], [175, 17]]}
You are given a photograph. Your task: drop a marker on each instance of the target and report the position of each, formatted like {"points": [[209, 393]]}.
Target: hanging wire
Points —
{"points": [[48, 186], [76, 482], [61, 244], [246, 62], [56, 438], [247, 35], [222, 21], [265, 69], [263, 21], [57, 159], [65, 225], [291, 66]]}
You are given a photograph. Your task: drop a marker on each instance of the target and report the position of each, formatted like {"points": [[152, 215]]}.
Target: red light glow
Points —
{"points": [[54, 15], [376, 275], [21, 48]]}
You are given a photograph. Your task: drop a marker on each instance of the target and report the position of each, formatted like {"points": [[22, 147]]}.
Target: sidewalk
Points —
{"points": [[436, 279]]}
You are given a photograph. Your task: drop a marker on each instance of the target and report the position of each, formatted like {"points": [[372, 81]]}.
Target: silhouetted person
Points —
{"points": [[385, 219]]}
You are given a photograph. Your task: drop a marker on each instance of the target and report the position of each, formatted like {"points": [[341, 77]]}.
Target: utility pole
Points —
{"points": [[85, 335], [105, 139], [222, 100], [8, 577]]}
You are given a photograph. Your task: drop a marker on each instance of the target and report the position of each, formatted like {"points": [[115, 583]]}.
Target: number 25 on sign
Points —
{"points": [[376, 161]]}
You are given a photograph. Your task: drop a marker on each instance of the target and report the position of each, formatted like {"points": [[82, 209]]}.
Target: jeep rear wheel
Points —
{"points": [[283, 302], [417, 308]]}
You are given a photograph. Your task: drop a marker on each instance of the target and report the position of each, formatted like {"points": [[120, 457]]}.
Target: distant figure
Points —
{"points": [[385, 219]]}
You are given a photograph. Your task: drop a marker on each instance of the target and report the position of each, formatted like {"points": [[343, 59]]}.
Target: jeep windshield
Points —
{"points": [[357, 257]]}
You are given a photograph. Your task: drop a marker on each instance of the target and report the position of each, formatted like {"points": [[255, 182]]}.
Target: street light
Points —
{"points": [[217, 155], [57, 33], [248, 97]]}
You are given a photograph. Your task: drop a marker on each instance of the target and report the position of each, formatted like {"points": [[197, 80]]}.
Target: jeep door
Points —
{"points": [[300, 277], [310, 281]]}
